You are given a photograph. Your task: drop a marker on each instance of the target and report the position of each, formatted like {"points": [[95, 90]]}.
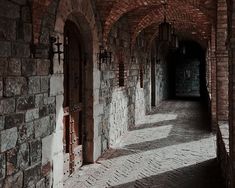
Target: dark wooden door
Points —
{"points": [[73, 103]]}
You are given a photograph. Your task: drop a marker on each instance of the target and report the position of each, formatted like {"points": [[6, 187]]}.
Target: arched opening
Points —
{"points": [[186, 71], [76, 151]]}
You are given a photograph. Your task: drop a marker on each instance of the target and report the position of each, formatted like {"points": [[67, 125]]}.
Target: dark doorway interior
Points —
{"points": [[186, 71]]}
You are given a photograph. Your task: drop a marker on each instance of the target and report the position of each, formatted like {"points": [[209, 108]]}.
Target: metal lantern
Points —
{"points": [[165, 31]]}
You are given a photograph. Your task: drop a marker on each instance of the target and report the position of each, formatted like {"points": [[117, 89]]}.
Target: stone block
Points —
{"points": [[2, 166], [26, 132], [8, 139], [7, 105], [1, 87], [27, 32], [35, 152], [14, 120], [14, 181], [48, 100], [9, 10], [56, 85], [34, 85], [20, 49], [20, 2], [31, 115], [43, 67], [26, 14], [47, 149], [29, 67], [41, 184], [46, 110], [44, 84], [5, 49], [32, 175], [7, 29], [3, 66], [14, 67], [25, 103], [52, 123], [15, 86], [42, 127], [41, 51], [12, 161], [2, 123], [39, 100], [23, 156]]}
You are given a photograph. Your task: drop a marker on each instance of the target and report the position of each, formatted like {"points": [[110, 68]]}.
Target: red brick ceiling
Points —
{"points": [[193, 18]]}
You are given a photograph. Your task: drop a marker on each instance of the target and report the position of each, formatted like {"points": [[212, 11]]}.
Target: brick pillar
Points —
{"points": [[209, 71], [208, 65], [231, 34], [222, 82], [232, 109], [213, 82]]}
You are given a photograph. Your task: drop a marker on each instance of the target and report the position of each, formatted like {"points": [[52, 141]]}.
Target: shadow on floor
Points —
{"points": [[202, 175], [190, 125]]}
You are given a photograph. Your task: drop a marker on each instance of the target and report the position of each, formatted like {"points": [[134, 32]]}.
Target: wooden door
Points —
{"points": [[73, 103]]}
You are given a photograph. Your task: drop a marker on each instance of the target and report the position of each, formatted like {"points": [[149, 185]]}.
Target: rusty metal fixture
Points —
{"points": [[104, 56], [52, 52]]}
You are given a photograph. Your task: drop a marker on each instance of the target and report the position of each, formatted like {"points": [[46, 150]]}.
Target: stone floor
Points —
{"points": [[171, 148]]}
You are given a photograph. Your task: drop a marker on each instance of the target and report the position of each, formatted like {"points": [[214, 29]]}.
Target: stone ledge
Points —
{"points": [[224, 131]]}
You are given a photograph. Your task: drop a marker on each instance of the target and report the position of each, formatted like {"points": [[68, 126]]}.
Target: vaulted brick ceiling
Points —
{"points": [[192, 18]]}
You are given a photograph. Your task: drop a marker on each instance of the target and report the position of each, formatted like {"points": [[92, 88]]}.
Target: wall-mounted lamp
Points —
{"points": [[55, 41], [104, 56]]}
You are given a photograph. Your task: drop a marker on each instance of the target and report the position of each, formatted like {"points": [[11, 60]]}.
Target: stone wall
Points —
{"points": [[27, 111], [31, 90], [120, 103]]}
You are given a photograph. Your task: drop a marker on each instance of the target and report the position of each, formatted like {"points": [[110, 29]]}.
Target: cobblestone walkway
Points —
{"points": [[171, 148]]}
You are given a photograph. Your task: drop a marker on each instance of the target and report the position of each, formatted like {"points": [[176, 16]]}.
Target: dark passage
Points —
{"points": [[186, 71]]}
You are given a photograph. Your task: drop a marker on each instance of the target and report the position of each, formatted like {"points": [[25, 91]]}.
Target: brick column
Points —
{"points": [[232, 107], [213, 82], [231, 34], [208, 65], [222, 62]]}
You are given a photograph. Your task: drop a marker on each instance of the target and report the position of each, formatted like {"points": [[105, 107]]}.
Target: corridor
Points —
{"points": [[172, 147]]}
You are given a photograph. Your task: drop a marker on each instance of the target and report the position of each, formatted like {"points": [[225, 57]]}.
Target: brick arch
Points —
{"points": [[182, 30], [180, 15], [122, 7], [63, 9]]}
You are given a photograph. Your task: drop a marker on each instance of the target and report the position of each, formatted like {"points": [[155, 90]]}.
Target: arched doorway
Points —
{"points": [[74, 104]]}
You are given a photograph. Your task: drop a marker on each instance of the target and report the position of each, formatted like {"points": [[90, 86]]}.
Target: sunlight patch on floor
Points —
{"points": [[145, 135], [148, 119]]}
